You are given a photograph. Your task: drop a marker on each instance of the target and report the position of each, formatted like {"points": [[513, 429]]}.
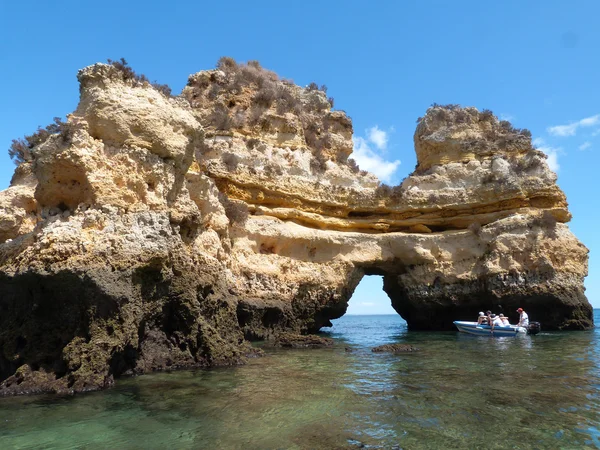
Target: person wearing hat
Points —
{"points": [[496, 321], [504, 319], [482, 319], [523, 318]]}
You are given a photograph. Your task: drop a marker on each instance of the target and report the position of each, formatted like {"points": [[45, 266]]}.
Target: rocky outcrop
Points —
{"points": [[395, 348], [290, 340], [165, 232]]}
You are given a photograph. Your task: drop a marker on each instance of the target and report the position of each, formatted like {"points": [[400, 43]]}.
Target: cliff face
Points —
{"points": [[156, 232]]}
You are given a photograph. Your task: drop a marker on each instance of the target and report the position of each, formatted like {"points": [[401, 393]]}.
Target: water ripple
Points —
{"points": [[457, 392]]}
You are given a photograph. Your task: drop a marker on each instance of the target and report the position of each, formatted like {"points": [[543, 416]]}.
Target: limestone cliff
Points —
{"points": [[160, 232]]}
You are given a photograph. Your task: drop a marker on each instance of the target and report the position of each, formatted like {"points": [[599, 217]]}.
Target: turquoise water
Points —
{"points": [[458, 391]]}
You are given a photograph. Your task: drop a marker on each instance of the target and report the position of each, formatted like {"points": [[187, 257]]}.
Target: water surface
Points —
{"points": [[458, 391]]}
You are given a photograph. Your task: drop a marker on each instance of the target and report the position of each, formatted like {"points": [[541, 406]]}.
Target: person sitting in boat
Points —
{"points": [[523, 318], [504, 320], [482, 319], [496, 322], [488, 315]]}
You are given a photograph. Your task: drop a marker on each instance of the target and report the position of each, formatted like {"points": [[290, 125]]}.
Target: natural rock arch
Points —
{"points": [[233, 212]]}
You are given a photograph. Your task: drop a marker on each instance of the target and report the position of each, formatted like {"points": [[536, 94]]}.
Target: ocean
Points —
{"points": [[457, 391]]}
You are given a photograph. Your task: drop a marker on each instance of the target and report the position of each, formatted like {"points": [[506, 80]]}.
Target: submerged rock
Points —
{"points": [[394, 348], [152, 232], [290, 340]]}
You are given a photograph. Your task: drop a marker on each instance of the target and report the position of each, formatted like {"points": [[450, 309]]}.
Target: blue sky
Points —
{"points": [[533, 62]]}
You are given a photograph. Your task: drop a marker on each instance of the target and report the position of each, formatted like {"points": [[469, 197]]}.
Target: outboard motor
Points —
{"points": [[534, 328]]}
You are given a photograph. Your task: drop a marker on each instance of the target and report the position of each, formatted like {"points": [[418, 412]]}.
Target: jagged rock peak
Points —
{"points": [[451, 133], [253, 101]]}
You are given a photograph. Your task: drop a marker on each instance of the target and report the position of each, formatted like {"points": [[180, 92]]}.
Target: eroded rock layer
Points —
{"points": [[156, 232]]}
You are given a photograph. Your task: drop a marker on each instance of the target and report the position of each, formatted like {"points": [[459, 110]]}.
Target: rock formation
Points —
{"points": [[154, 232]]}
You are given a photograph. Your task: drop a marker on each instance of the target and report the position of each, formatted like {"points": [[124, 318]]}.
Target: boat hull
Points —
{"points": [[486, 330]]}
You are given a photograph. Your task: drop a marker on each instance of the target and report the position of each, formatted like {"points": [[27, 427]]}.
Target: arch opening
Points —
{"points": [[369, 298], [370, 319]]}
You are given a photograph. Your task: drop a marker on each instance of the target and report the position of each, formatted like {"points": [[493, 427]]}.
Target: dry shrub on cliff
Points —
{"points": [[433, 198], [269, 88], [252, 143], [447, 107], [526, 164], [454, 112], [287, 102], [251, 73], [316, 138], [267, 95], [239, 119], [508, 128], [546, 220], [312, 86], [128, 74], [226, 63], [488, 178], [353, 166], [451, 113], [255, 114], [231, 161], [228, 90], [126, 71], [486, 114], [397, 192], [383, 190], [318, 164], [387, 191], [21, 149], [164, 89], [220, 119], [475, 228]]}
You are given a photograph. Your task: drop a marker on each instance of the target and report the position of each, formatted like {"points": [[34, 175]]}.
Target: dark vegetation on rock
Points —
{"points": [[387, 191], [127, 73], [395, 348], [71, 332], [247, 95], [456, 113], [22, 149]]}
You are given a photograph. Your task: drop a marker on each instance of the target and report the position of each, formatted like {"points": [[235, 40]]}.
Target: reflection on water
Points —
{"points": [[458, 391]]}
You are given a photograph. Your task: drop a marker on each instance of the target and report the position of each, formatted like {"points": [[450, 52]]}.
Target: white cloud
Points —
{"points": [[589, 121], [563, 130], [537, 142], [585, 145], [378, 137], [552, 153], [552, 158], [368, 159], [508, 117], [596, 133], [571, 129]]}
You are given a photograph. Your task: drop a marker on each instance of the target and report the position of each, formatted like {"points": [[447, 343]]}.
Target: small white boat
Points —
{"points": [[486, 330]]}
